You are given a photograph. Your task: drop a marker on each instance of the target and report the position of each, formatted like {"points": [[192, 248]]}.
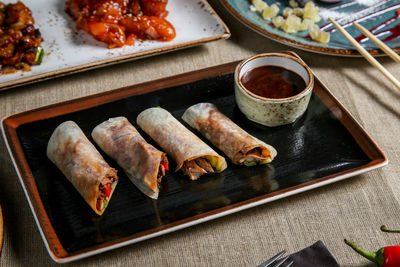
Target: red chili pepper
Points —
{"points": [[107, 189], [391, 256], [385, 229], [384, 257]]}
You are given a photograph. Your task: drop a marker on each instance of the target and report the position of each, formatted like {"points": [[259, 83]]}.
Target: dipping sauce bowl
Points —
{"points": [[273, 111]]}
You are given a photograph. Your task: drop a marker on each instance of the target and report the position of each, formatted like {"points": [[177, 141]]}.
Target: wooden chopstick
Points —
{"points": [[378, 42], [365, 54]]}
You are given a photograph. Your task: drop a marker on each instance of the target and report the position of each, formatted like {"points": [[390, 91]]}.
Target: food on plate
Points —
{"points": [[143, 163], [318, 35], [121, 22], [293, 3], [311, 12], [293, 19], [20, 41], [270, 12], [191, 154], [82, 164], [237, 144]]}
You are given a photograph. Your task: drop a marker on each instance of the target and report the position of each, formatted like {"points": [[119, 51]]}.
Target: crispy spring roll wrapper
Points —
{"points": [[142, 162], [238, 145], [83, 165], [181, 144]]}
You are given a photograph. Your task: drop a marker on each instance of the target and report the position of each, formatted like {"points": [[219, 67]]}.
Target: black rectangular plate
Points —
{"points": [[315, 148]]}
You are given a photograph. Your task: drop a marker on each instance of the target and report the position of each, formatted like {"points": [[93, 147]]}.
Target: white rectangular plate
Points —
{"points": [[68, 50]]}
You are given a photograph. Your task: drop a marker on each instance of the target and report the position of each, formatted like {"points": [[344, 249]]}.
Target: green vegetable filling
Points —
{"points": [[249, 163], [39, 55]]}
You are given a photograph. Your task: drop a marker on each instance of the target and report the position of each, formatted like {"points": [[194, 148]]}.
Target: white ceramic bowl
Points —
{"points": [[273, 111]]}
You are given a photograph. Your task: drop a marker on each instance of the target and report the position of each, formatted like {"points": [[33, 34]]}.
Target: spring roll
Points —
{"points": [[238, 145], [143, 163], [192, 155], [82, 165]]}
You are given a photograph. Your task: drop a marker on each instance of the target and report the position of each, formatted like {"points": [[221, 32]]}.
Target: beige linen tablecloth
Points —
{"points": [[353, 209]]}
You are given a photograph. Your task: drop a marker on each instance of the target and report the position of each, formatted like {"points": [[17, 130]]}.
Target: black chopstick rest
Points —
{"points": [[314, 255]]}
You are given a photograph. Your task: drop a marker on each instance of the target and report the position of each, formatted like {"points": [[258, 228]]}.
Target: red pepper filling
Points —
{"points": [[105, 192], [165, 165], [162, 168]]}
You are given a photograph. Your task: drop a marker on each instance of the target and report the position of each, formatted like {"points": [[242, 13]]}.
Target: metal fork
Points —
{"points": [[276, 260]]}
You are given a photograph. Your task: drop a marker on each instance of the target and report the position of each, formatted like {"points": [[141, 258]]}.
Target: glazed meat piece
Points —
{"points": [[20, 41], [155, 8], [149, 27], [121, 22], [18, 16]]}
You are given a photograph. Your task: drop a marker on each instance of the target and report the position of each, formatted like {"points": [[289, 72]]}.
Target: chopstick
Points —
{"points": [[378, 42], [365, 54]]}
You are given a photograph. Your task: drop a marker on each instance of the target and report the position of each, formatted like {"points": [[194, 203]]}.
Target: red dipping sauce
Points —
{"points": [[273, 82]]}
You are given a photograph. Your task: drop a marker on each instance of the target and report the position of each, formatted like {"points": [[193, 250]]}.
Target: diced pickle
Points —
{"points": [[259, 5], [314, 31], [305, 24], [287, 12], [298, 11], [311, 12], [270, 12], [323, 37], [294, 18], [278, 21], [292, 24], [293, 3]]}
